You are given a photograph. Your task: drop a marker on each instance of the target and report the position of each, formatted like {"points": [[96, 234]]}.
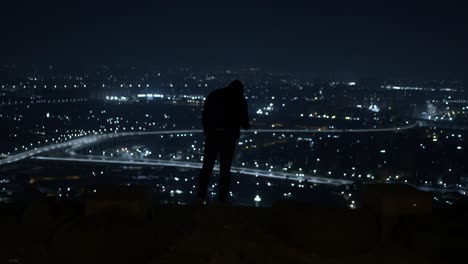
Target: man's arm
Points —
{"points": [[205, 113], [244, 118]]}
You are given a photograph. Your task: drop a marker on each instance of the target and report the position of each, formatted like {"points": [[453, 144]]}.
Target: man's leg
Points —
{"points": [[225, 159], [209, 158]]}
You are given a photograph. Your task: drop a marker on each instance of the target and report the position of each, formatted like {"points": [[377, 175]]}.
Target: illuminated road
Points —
{"points": [[197, 165], [89, 140], [37, 151], [438, 189]]}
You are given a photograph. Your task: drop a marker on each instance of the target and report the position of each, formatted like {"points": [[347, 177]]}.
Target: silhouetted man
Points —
{"points": [[224, 113]]}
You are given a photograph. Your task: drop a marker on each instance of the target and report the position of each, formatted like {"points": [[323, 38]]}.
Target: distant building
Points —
{"points": [[431, 110]]}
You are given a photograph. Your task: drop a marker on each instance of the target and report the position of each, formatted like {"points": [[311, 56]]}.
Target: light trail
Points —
{"points": [[89, 140], [197, 165]]}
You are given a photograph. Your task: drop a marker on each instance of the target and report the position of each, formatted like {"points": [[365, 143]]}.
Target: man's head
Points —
{"points": [[236, 87]]}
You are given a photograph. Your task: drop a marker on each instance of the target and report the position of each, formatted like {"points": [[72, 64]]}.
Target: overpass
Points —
{"points": [[93, 139]]}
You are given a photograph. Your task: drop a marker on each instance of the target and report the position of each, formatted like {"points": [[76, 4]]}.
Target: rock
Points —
{"points": [[134, 200], [389, 202], [326, 231], [110, 237]]}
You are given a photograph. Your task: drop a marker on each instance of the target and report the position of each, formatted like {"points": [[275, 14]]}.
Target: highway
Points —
{"points": [[89, 140], [197, 165], [438, 189], [77, 143]]}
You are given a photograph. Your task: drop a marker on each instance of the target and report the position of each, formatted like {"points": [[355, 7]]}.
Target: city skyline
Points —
{"points": [[141, 125], [276, 131]]}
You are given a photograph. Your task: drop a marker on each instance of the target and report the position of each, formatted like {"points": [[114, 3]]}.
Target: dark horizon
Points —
{"points": [[362, 39]]}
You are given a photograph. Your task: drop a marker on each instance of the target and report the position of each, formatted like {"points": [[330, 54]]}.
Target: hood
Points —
{"points": [[236, 87]]}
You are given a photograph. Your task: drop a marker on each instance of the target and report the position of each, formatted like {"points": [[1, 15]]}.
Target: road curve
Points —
{"points": [[87, 140]]}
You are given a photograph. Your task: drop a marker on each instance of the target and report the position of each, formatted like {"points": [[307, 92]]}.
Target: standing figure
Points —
{"points": [[224, 113]]}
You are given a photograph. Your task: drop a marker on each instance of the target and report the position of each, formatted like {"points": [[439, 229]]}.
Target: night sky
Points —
{"points": [[408, 39]]}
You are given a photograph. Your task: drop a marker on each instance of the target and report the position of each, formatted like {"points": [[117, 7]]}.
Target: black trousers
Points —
{"points": [[224, 145]]}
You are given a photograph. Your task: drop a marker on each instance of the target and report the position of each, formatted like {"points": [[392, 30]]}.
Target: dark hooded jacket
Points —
{"points": [[225, 110]]}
